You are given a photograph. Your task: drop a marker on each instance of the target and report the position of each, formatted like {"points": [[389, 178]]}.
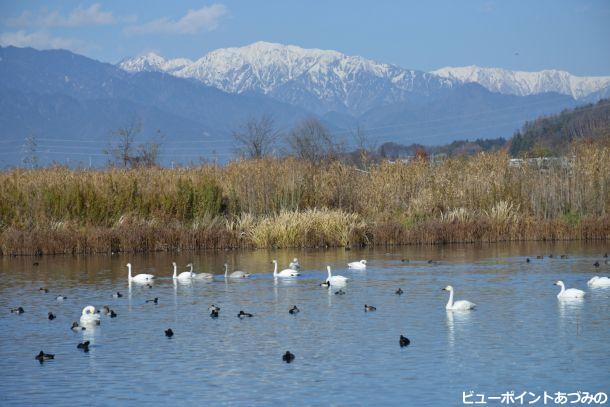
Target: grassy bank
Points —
{"points": [[292, 203]]}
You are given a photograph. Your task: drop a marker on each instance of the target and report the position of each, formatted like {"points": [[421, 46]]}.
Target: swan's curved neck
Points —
{"points": [[563, 287], [275, 268], [329, 273], [450, 302], [191, 268], [226, 270], [129, 272], [174, 276]]}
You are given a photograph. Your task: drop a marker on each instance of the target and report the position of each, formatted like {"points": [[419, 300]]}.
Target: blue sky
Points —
{"points": [[528, 35]]}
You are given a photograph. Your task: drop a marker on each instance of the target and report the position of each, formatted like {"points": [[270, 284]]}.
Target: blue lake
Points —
{"points": [[520, 337]]}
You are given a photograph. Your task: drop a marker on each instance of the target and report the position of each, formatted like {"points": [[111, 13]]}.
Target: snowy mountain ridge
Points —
{"points": [[323, 81], [524, 83], [320, 80]]}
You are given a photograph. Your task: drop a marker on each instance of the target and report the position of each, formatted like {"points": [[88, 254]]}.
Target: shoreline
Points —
{"points": [[106, 241]]}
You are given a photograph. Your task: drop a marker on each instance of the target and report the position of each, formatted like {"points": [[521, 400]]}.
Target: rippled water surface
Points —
{"points": [[519, 338]]}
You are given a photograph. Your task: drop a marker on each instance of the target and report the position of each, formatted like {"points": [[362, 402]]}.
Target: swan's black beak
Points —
{"points": [[442, 289], [554, 283]]}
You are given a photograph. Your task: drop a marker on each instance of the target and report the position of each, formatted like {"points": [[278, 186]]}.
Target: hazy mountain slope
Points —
{"points": [[57, 94], [469, 111]]}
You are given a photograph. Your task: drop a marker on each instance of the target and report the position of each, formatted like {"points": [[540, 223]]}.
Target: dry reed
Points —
{"points": [[293, 203]]}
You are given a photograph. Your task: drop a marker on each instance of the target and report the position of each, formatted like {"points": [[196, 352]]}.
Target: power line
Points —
{"points": [[222, 147], [398, 125]]}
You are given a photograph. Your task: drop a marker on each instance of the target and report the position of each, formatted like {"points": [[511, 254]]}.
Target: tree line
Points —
{"points": [[311, 140]]}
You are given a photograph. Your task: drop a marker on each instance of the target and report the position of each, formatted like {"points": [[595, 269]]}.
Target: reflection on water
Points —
{"points": [[520, 337], [457, 321]]}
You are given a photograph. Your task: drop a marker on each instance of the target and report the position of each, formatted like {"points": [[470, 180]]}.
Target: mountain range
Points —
{"points": [[324, 81], [524, 83], [72, 103]]}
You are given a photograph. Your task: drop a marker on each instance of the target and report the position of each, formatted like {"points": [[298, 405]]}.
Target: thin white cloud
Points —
{"points": [[40, 40], [488, 7], [79, 17], [206, 18]]}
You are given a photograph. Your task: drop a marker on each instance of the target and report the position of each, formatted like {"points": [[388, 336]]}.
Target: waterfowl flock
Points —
{"points": [[90, 316]]}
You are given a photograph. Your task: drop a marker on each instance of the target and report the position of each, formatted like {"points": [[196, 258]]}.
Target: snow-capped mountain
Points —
{"points": [[524, 83], [318, 80], [323, 80], [152, 62]]}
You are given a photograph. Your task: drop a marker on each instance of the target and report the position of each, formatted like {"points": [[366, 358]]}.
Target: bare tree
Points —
{"points": [[310, 140], [126, 153], [30, 152], [365, 148], [122, 150], [256, 138]]}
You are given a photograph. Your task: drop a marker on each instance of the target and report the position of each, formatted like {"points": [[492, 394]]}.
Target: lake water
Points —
{"points": [[519, 338]]}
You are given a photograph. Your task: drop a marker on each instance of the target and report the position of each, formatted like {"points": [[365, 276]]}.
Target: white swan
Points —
{"points": [[335, 280], [89, 316], [235, 274], [462, 305], [570, 292], [284, 273], [294, 264], [139, 278], [359, 265], [199, 276], [184, 276], [597, 282]]}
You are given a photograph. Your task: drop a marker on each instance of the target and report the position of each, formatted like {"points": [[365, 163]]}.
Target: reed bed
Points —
{"points": [[287, 202]]}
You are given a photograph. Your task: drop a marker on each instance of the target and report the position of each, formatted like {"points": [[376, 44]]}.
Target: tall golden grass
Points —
{"points": [[293, 203]]}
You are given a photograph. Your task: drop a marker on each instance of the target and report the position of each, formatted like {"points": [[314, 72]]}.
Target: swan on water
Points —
{"points": [[335, 280], [89, 316], [284, 273], [199, 276], [139, 278], [570, 292], [597, 282], [294, 264], [358, 265], [462, 305], [235, 274], [184, 276]]}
